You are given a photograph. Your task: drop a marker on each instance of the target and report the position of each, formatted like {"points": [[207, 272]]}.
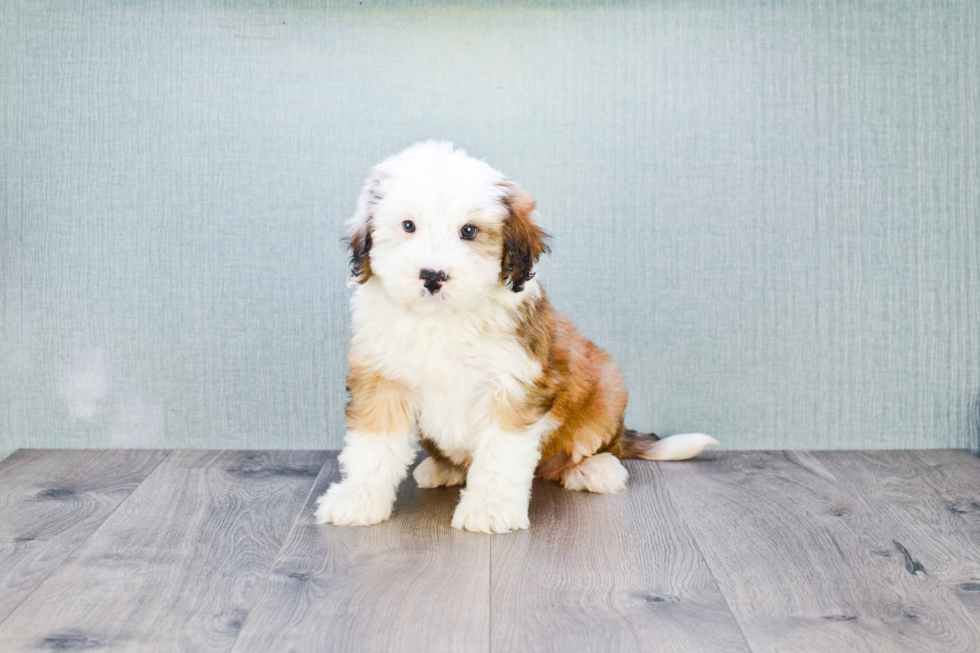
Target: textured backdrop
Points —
{"points": [[768, 212]]}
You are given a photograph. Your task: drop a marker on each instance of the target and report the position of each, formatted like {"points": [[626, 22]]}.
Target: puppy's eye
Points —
{"points": [[468, 232], [408, 226]]}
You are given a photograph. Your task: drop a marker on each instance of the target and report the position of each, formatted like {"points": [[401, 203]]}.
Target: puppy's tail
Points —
{"points": [[676, 447]]}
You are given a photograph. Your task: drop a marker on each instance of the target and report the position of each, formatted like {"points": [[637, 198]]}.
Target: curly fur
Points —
{"points": [[476, 366]]}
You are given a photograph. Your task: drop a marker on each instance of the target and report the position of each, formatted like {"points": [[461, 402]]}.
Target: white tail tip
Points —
{"points": [[680, 447]]}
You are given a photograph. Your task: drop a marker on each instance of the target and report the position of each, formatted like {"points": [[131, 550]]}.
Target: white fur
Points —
{"points": [[680, 447], [601, 473], [453, 349], [374, 465], [498, 482], [456, 362]]}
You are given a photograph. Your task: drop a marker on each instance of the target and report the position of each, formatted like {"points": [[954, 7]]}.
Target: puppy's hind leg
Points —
{"points": [[601, 473], [436, 472]]}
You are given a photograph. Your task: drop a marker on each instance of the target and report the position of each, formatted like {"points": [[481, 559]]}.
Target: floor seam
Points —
{"points": [[707, 564], [282, 548], [70, 557]]}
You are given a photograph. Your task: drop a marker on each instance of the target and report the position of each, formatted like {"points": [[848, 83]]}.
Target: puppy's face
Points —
{"points": [[440, 230]]}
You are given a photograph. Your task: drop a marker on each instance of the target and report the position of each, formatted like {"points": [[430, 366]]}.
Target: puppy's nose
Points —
{"points": [[433, 280]]}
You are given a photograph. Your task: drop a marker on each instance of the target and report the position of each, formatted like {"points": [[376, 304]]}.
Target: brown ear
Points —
{"points": [[360, 253], [524, 240], [359, 228]]}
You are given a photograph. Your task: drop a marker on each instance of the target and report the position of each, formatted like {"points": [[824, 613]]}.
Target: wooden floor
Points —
{"points": [[737, 551]]}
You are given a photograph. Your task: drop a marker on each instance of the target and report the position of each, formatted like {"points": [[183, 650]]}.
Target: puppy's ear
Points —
{"points": [[524, 240], [358, 227]]}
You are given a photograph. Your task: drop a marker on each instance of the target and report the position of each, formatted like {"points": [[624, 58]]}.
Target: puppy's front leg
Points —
{"points": [[377, 452], [498, 483]]}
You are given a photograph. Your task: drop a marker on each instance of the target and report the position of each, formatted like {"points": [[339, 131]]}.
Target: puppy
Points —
{"points": [[456, 347]]}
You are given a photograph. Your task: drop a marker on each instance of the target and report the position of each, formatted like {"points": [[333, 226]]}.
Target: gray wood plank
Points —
{"points": [[607, 573], [955, 475], [411, 583], [50, 501], [906, 494], [179, 564], [805, 566]]}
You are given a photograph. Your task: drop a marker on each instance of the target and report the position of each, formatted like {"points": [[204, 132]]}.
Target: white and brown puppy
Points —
{"points": [[456, 346]]}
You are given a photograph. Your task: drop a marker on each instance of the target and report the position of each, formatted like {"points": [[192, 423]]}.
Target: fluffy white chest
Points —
{"points": [[456, 364]]}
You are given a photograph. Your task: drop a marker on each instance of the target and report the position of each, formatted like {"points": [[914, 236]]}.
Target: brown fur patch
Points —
{"points": [[579, 384], [523, 240], [377, 404], [591, 403]]}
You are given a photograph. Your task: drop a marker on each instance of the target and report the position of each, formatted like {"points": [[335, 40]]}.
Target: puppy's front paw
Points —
{"points": [[431, 473], [481, 515], [344, 505]]}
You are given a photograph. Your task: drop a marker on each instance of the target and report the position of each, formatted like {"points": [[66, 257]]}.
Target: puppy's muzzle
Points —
{"points": [[432, 280]]}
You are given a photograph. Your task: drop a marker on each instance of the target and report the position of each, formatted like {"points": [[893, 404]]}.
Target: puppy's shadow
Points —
{"points": [[420, 509]]}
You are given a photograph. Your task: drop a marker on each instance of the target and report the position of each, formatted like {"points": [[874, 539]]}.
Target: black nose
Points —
{"points": [[433, 280]]}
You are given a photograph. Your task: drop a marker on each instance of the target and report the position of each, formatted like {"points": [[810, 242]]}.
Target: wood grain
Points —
{"points": [[607, 573], [955, 475], [805, 565], [179, 564], [937, 535], [932, 501], [411, 583], [50, 501]]}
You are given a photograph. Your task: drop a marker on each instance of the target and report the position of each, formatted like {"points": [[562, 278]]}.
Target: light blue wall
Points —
{"points": [[768, 212]]}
